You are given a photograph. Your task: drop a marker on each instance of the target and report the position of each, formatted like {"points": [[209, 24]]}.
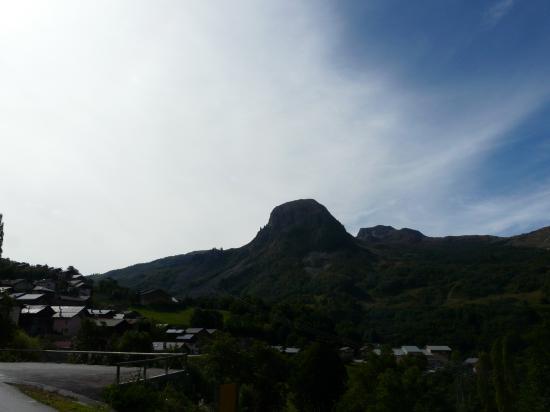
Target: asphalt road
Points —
{"points": [[86, 380], [12, 400]]}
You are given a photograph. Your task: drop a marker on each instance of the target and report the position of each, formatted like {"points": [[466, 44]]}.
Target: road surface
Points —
{"points": [[12, 400], [86, 380]]}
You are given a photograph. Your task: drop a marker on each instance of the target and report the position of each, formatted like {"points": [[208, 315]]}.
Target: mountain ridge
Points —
{"points": [[304, 250]]}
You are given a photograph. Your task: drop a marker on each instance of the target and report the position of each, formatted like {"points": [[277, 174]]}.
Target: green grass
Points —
{"points": [[180, 317], [59, 402]]}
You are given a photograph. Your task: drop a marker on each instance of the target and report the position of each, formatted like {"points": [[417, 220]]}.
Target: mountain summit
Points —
{"points": [[302, 226], [389, 234]]}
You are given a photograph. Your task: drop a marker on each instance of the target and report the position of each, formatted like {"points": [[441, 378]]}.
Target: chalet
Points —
{"points": [[101, 313], [154, 297], [32, 299], [67, 319], [346, 353], [168, 346], [191, 342], [443, 352], [46, 283], [18, 285], [36, 319], [471, 363], [412, 350], [62, 300], [6, 290], [173, 333], [43, 289], [198, 332], [114, 325]]}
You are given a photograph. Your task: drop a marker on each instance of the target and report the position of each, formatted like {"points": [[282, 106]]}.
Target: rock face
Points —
{"points": [[388, 234], [303, 226]]}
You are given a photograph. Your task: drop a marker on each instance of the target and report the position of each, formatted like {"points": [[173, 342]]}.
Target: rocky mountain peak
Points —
{"points": [[383, 233]]}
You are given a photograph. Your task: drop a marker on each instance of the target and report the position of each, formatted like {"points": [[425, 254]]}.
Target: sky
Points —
{"points": [[132, 130]]}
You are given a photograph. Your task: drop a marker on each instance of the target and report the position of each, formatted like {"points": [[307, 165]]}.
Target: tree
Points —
{"points": [[135, 341], [319, 380], [206, 319], [267, 388], [1, 234], [485, 390]]}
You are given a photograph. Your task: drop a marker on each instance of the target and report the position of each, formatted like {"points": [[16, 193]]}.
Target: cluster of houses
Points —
{"points": [[66, 290], [436, 356], [190, 340], [55, 307]]}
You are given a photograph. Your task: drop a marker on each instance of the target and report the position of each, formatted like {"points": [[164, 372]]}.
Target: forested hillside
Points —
{"points": [[384, 285]]}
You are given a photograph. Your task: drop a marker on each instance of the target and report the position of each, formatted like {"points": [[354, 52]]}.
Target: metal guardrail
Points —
{"points": [[90, 352], [144, 362], [141, 363]]}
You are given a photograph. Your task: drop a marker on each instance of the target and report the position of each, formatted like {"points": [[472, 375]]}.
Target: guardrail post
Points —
{"points": [[166, 366], [144, 372], [118, 374]]}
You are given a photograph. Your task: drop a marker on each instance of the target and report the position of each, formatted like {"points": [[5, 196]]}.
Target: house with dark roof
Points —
{"points": [[101, 313], [18, 285], [67, 319], [114, 325], [36, 319], [32, 299], [46, 283]]}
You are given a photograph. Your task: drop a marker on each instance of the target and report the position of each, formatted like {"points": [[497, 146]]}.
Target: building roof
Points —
{"points": [[411, 349], [471, 361], [438, 348], [211, 331], [33, 309], [5, 289], [186, 337], [12, 282], [377, 351], [30, 296], [109, 323], [67, 312], [160, 346], [42, 289], [175, 331], [74, 299], [99, 312], [291, 351], [194, 330]]}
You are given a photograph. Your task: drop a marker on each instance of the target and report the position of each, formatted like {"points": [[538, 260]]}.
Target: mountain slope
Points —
{"points": [[302, 250], [305, 251]]}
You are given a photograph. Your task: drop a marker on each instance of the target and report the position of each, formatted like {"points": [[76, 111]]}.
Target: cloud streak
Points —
{"points": [[497, 11]]}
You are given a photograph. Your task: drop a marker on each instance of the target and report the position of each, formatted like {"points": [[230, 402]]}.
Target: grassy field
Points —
{"points": [[178, 317], [59, 402]]}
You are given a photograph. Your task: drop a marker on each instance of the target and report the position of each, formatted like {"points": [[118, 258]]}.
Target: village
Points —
{"points": [[56, 307]]}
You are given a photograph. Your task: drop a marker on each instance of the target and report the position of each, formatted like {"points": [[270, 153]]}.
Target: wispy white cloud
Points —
{"points": [[132, 130], [497, 11]]}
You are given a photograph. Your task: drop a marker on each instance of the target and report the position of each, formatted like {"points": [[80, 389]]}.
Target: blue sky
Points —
{"points": [[137, 129]]}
